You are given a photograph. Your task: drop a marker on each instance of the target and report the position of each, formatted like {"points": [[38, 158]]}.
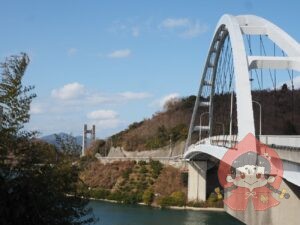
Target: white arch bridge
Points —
{"points": [[251, 65]]}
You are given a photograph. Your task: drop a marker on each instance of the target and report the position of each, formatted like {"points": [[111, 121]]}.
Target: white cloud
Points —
{"points": [[104, 119], [169, 97], [75, 94], [194, 30], [36, 109], [296, 82], [69, 91], [102, 114], [122, 53], [128, 27], [173, 22], [72, 51], [97, 98], [185, 27], [76, 100], [134, 95], [163, 100], [107, 124], [135, 31]]}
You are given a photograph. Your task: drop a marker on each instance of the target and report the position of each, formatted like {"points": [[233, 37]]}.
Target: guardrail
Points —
{"points": [[282, 142], [179, 157], [175, 161]]}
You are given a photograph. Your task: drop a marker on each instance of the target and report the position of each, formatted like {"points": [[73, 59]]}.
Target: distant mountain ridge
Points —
{"points": [[51, 139]]}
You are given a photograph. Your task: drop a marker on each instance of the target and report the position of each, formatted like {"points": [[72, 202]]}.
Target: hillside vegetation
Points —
{"points": [[133, 182], [156, 132], [282, 106]]}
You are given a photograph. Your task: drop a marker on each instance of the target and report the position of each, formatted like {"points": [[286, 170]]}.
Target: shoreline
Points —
{"points": [[208, 209]]}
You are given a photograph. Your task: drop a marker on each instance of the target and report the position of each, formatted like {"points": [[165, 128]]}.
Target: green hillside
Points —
{"points": [[280, 115]]}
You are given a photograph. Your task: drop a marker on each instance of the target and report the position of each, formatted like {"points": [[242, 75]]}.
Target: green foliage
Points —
{"points": [[99, 146], [135, 125], [126, 198], [33, 190], [159, 140], [163, 135], [189, 102], [156, 167], [85, 161], [33, 183], [179, 132], [154, 143], [198, 204], [14, 97], [212, 197], [126, 173], [178, 198], [132, 198], [68, 145], [143, 169], [138, 183], [175, 199], [44, 152], [142, 163], [148, 196], [212, 201], [165, 201], [116, 196], [99, 193], [205, 204], [155, 132]]}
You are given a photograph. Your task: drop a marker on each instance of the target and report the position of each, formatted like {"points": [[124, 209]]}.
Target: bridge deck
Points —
{"points": [[290, 159]]}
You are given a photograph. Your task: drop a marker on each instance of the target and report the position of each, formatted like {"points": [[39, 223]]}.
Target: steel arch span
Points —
{"points": [[227, 75], [232, 29]]}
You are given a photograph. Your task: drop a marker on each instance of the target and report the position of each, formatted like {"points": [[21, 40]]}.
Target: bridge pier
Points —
{"points": [[197, 180]]}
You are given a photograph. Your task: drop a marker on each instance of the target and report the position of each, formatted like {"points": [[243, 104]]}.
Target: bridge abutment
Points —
{"points": [[197, 180]]}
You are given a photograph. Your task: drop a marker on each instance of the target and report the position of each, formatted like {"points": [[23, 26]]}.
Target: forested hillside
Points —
{"points": [[156, 132], [133, 182], [280, 115]]}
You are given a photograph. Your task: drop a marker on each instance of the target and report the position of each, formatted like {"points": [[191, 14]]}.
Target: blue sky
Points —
{"points": [[111, 63]]}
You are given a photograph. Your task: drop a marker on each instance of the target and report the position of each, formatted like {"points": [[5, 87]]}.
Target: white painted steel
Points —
{"points": [[273, 62], [1, 116], [291, 170], [243, 64], [215, 151], [235, 27], [243, 87], [254, 25], [281, 140]]}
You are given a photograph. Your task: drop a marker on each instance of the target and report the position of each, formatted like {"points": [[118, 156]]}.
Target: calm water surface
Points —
{"points": [[118, 214]]}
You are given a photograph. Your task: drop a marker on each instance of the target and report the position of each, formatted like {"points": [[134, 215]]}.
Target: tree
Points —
{"points": [[148, 196], [67, 145], [98, 146], [33, 185], [14, 97]]}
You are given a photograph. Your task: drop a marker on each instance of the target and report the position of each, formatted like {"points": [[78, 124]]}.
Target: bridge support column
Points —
{"points": [[197, 181]]}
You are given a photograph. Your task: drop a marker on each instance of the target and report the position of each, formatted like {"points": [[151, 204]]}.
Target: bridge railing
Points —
{"points": [[292, 141], [175, 161], [227, 141], [139, 158], [283, 142]]}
